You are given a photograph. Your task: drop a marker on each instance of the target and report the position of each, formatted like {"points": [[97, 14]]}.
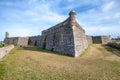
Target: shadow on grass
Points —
{"points": [[36, 48], [111, 49]]}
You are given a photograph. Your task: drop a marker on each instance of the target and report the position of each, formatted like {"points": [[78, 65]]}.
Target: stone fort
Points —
{"points": [[67, 37]]}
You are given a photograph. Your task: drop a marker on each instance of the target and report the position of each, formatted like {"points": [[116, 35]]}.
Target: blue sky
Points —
{"points": [[30, 17]]}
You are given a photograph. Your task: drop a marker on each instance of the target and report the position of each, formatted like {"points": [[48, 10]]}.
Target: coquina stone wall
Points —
{"points": [[11, 40], [19, 41], [100, 39], [66, 38], [22, 41], [5, 50], [105, 39], [80, 40], [34, 40], [59, 38], [89, 39]]}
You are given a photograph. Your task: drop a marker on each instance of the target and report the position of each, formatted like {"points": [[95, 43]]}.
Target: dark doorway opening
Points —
{"points": [[29, 42], [35, 44], [52, 49], [44, 43]]}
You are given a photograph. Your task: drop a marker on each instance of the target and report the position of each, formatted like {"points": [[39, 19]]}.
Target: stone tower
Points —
{"points": [[6, 34], [72, 16]]}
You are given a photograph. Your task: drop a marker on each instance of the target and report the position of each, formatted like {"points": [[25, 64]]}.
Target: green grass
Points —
{"points": [[118, 42], [32, 63], [1, 46], [86, 50]]}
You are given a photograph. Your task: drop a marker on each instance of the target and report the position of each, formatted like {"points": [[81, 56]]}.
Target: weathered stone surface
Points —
{"points": [[89, 39], [23, 41], [58, 38], [34, 40], [11, 40], [5, 50], [80, 40], [6, 34], [19, 41], [100, 39], [66, 38], [105, 39]]}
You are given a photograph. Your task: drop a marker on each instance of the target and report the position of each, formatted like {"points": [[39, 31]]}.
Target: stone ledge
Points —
{"points": [[5, 50]]}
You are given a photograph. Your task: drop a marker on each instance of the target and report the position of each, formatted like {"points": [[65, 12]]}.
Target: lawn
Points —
{"points": [[118, 42], [32, 63], [1, 46]]}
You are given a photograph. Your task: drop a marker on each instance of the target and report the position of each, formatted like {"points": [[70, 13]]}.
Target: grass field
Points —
{"points": [[96, 63], [1, 46], [118, 42]]}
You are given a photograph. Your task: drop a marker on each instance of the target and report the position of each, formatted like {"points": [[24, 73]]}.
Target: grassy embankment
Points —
{"points": [[97, 63]]}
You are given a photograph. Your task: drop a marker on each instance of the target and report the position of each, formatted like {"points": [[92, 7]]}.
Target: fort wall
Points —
{"points": [[100, 39], [59, 38], [5, 50], [18, 41], [34, 40], [67, 37], [89, 39]]}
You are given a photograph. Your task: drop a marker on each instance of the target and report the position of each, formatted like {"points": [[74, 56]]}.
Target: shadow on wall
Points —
{"points": [[113, 50], [35, 48]]}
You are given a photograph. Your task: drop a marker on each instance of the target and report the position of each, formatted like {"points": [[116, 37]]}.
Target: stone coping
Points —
{"points": [[5, 50]]}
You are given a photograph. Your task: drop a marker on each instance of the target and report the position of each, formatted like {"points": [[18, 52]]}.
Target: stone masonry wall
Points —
{"points": [[89, 39], [5, 50], [97, 39], [80, 40], [18, 41], [34, 40], [66, 38], [59, 38], [23, 41], [100, 39], [12, 40], [105, 39]]}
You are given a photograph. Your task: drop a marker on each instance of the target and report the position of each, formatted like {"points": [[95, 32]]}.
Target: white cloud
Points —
{"points": [[20, 31], [29, 13], [111, 17], [108, 6], [51, 18], [117, 15], [43, 13]]}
